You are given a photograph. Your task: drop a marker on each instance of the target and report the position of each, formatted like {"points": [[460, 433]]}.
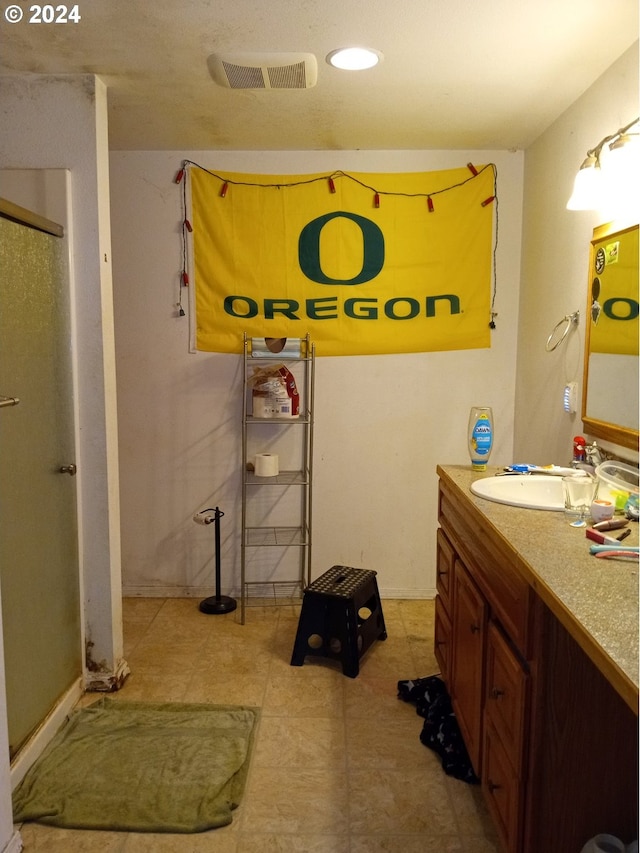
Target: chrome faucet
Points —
{"points": [[593, 456]]}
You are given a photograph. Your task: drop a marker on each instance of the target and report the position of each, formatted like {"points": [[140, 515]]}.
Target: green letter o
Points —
{"points": [[309, 249]]}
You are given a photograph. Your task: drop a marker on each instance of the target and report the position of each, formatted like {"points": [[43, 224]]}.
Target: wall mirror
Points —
{"points": [[610, 388]]}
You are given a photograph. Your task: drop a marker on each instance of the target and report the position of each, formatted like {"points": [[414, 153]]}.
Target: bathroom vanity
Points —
{"points": [[537, 641]]}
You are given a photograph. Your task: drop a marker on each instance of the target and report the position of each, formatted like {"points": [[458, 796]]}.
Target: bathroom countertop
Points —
{"points": [[595, 599]]}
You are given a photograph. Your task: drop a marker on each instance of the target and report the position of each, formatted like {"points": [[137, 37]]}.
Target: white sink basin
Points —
{"points": [[530, 491]]}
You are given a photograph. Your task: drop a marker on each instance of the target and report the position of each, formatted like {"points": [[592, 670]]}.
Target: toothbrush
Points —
{"points": [[619, 554], [617, 548], [555, 470]]}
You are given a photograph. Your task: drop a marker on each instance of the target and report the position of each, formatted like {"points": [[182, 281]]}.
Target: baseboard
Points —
{"points": [[36, 744], [404, 594], [14, 845], [168, 592], [205, 592]]}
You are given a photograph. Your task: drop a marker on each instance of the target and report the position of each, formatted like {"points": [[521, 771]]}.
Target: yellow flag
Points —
{"points": [[363, 263], [614, 293]]}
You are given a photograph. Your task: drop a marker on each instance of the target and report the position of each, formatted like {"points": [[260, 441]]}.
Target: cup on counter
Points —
{"points": [[579, 492], [602, 510]]}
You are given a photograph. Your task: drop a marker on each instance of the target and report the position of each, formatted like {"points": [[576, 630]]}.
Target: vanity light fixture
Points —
{"points": [[587, 185], [623, 159], [607, 168], [354, 58]]}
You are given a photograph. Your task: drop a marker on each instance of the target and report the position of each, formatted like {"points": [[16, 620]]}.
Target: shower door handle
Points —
{"points": [[8, 401], [69, 469]]}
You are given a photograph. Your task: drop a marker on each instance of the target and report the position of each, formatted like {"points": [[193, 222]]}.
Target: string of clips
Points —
{"points": [[330, 179]]}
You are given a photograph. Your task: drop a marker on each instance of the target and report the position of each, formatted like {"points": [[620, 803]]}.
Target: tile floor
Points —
{"points": [[338, 766]]}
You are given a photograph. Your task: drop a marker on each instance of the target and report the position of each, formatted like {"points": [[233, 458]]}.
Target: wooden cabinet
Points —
{"points": [[501, 787], [443, 640], [487, 683], [445, 556], [506, 692], [554, 744], [466, 686], [505, 713]]}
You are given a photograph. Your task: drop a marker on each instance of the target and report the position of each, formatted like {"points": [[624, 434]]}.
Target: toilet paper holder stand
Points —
{"points": [[215, 603]]}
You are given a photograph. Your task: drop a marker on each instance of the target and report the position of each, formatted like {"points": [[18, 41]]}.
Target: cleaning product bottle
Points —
{"points": [[480, 436], [579, 445]]}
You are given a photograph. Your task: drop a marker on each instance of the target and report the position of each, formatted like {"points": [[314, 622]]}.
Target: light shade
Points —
{"points": [[587, 187], [623, 160], [621, 173], [608, 178], [354, 58]]}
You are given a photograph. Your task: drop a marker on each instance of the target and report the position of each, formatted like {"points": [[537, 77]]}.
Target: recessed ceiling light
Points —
{"points": [[354, 58]]}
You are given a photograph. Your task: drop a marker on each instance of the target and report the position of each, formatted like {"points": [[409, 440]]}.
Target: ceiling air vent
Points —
{"points": [[264, 70]]}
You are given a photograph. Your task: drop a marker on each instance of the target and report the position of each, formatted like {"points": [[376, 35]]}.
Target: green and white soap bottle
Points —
{"points": [[480, 436]]}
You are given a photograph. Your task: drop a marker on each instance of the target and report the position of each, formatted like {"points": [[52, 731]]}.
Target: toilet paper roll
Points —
{"points": [[206, 517], [266, 465]]}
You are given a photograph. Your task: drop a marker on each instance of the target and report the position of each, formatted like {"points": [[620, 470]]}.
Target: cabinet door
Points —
{"points": [[442, 648], [501, 788], [506, 695], [445, 556], [467, 679]]}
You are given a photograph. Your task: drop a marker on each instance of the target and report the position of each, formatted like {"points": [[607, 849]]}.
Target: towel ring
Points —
{"points": [[569, 320]]}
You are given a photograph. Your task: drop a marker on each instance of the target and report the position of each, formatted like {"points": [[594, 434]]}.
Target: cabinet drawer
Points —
{"points": [[501, 788], [506, 694], [442, 648], [445, 556]]}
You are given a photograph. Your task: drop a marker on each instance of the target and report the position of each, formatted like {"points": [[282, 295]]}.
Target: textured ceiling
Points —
{"points": [[456, 73]]}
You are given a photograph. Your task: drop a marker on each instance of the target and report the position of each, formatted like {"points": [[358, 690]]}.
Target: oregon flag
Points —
{"points": [[363, 263], [614, 293]]}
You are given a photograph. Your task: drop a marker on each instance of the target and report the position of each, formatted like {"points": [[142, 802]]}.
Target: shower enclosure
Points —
{"points": [[39, 572]]}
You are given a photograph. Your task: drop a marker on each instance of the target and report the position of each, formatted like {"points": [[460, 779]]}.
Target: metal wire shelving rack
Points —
{"points": [[281, 538]]}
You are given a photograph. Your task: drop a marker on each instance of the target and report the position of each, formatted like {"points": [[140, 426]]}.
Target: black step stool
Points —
{"points": [[341, 617]]}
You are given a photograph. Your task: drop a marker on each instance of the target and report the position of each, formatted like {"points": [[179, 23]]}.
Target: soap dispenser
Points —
{"points": [[480, 436]]}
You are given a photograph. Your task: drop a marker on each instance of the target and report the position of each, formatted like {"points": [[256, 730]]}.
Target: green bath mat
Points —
{"points": [[141, 767]]}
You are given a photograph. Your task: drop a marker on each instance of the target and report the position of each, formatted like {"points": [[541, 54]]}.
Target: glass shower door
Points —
{"points": [[39, 574]]}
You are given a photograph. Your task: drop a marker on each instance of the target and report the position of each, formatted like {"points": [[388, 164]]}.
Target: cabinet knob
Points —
{"points": [[474, 627], [492, 786], [496, 693]]}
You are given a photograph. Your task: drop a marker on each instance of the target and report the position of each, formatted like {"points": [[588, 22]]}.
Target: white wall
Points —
{"points": [[555, 263], [179, 413]]}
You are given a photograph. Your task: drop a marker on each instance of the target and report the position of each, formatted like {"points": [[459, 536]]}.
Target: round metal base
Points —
{"points": [[221, 604]]}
